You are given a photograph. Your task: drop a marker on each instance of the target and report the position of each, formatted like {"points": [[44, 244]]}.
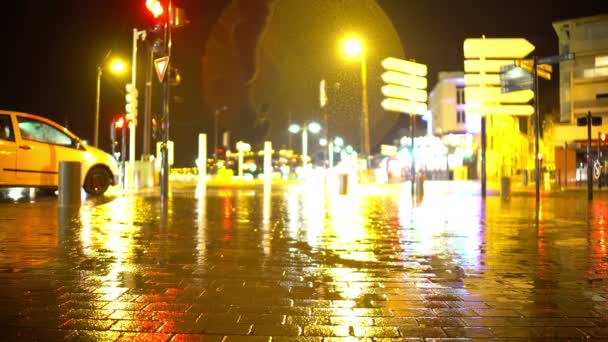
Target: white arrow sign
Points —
{"points": [[477, 79], [405, 93], [404, 66], [494, 94], [497, 47], [404, 106], [487, 65], [406, 80], [513, 109]]}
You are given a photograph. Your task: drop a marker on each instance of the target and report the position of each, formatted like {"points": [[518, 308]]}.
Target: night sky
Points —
{"points": [[51, 50]]}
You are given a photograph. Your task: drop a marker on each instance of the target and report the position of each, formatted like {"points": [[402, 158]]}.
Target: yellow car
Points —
{"points": [[32, 146]]}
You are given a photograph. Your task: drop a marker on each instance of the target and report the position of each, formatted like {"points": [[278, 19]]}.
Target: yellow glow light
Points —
{"points": [[117, 66], [353, 47]]}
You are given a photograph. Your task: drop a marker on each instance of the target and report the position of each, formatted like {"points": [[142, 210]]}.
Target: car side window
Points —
{"points": [[6, 128], [35, 130]]}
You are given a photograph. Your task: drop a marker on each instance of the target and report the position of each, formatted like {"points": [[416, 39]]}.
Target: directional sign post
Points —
{"points": [[483, 94], [405, 92]]}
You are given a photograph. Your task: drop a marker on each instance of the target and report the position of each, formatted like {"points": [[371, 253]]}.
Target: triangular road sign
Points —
{"points": [[161, 64]]}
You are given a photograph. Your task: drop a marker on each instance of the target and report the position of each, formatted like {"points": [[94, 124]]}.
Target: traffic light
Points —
{"points": [[154, 128], [119, 123], [131, 97], [156, 8]]}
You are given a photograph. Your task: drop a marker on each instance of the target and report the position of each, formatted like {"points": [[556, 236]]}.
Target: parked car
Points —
{"points": [[32, 146]]}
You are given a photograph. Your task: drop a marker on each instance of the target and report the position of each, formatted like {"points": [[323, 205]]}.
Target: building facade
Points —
{"points": [[509, 150], [583, 90]]}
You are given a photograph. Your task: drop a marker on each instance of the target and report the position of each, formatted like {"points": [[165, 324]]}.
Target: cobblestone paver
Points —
{"points": [[291, 264]]}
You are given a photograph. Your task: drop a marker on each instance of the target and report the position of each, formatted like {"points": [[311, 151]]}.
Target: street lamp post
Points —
{"points": [[314, 128], [116, 66], [354, 48]]}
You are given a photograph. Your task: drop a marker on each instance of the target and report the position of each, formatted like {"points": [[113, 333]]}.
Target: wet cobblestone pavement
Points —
{"points": [[285, 264]]}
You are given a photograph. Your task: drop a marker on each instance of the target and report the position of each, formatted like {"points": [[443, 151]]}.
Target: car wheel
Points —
{"points": [[97, 181]]}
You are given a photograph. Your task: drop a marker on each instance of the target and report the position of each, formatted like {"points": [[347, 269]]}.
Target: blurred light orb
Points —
{"points": [[353, 47]]}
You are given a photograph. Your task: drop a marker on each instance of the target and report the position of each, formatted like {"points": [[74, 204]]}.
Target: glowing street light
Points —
{"points": [[117, 66], [354, 48], [313, 127]]}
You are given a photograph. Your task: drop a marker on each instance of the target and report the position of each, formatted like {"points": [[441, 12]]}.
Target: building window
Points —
{"points": [[459, 95], [460, 118]]}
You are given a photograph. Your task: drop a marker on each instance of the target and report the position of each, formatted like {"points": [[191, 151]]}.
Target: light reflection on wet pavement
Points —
{"points": [[288, 264]]}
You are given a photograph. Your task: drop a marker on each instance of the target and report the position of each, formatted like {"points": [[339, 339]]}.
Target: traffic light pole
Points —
{"points": [[412, 150], [589, 163], [536, 133], [148, 108], [599, 145], [133, 120], [164, 168]]}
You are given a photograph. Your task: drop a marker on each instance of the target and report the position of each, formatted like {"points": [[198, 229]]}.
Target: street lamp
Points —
{"points": [[333, 146], [354, 48], [314, 128], [116, 66]]}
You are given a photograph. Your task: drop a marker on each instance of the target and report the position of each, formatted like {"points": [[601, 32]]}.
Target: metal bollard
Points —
{"points": [[505, 186], [420, 186], [69, 183], [343, 184]]}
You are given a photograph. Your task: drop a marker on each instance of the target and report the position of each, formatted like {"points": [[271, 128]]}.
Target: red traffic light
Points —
{"points": [[155, 7], [119, 123]]}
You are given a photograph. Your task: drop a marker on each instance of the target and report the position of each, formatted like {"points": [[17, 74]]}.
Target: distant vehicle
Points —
{"points": [[32, 146]]}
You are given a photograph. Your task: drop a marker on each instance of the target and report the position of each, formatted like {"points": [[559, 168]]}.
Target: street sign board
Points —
{"points": [[542, 70], [406, 67], [595, 121], [484, 83], [161, 64], [497, 47], [486, 65], [477, 79], [514, 78], [495, 94], [404, 106], [516, 86], [407, 80], [500, 109], [405, 88], [406, 93], [556, 59]]}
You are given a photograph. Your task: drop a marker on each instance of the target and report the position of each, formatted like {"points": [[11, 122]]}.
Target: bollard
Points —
{"points": [[343, 183], [69, 183], [420, 186], [505, 186]]}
